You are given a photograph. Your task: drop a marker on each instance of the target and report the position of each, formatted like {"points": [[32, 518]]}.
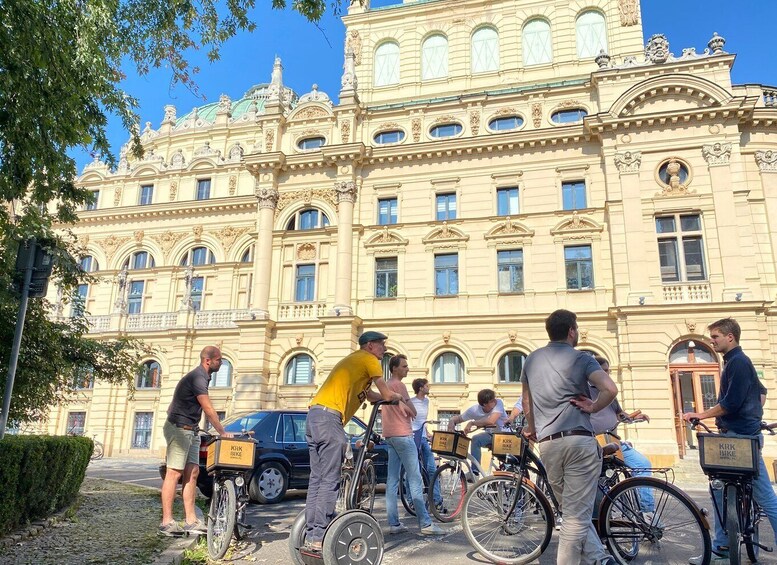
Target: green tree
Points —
{"points": [[61, 67]]}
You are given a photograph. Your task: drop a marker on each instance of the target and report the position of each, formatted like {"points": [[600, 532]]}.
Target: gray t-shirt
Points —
{"points": [[185, 408], [556, 374], [606, 419], [476, 412]]}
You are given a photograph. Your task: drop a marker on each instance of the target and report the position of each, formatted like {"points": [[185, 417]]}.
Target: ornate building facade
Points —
{"points": [[488, 162]]}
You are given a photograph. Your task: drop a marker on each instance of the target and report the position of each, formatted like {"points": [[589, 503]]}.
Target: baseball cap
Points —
{"points": [[366, 337]]}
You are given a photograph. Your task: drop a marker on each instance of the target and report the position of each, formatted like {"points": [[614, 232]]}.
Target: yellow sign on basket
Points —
{"points": [[725, 452], [506, 444]]}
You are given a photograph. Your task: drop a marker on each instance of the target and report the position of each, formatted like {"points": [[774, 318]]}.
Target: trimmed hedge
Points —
{"points": [[39, 476]]}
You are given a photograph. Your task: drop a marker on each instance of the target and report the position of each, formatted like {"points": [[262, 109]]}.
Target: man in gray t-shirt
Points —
{"points": [[488, 413], [557, 408]]}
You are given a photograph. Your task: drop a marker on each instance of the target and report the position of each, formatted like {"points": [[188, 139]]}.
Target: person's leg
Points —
{"points": [[405, 449], [169, 486], [189, 491], [431, 468], [178, 443], [477, 444], [635, 460], [764, 493], [392, 483]]}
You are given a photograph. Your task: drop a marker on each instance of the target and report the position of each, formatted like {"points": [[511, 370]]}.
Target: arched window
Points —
{"points": [[485, 50], [222, 378], [387, 64], [434, 57], [505, 123], [692, 352], [198, 256], [448, 368], [88, 264], [139, 260], [308, 219], [149, 376], [591, 34], [299, 370], [446, 130], [537, 47], [248, 255], [311, 143], [568, 116], [510, 367]]}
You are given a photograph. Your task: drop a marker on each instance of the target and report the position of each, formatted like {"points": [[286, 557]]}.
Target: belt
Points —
{"points": [[327, 409], [190, 427], [559, 435]]}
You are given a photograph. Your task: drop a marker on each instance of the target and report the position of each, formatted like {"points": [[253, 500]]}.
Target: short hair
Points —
{"points": [[727, 326], [485, 396], [559, 323], [418, 384], [601, 360], [394, 361], [209, 352]]}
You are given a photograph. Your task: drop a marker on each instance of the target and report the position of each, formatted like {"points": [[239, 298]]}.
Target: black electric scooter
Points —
{"points": [[353, 537]]}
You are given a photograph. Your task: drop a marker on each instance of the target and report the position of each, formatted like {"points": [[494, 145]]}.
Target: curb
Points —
{"points": [[173, 555]]}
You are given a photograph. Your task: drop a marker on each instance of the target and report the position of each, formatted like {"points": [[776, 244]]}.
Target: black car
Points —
{"points": [[282, 460]]}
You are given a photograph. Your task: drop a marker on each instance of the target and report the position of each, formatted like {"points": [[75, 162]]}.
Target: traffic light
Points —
{"points": [[41, 268]]}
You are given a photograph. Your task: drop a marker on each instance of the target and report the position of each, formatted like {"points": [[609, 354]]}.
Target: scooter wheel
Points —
{"points": [[297, 538], [353, 538]]}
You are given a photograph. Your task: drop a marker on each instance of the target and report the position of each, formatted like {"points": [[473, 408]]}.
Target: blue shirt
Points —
{"points": [[740, 395]]}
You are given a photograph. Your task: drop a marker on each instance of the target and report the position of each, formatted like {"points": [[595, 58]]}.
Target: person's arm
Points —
{"points": [[515, 413], [453, 421], [529, 431], [385, 392], [489, 420], [211, 415], [607, 393], [713, 412]]}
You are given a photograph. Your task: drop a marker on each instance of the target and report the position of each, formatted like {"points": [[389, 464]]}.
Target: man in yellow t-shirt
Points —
{"points": [[346, 387]]}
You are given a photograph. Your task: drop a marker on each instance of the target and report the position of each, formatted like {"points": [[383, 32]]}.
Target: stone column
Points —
{"points": [[767, 165], [267, 199], [346, 196]]}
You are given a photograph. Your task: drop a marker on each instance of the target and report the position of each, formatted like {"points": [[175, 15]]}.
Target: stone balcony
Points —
{"points": [[156, 321], [301, 311], [679, 293]]}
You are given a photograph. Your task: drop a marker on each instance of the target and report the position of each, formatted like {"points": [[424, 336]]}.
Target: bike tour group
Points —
{"points": [[565, 469]]}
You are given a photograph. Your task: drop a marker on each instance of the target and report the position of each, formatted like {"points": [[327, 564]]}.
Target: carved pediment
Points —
{"points": [[445, 234], [509, 229], [576, 225], [310, 111], [669, 93], [385, 238]]}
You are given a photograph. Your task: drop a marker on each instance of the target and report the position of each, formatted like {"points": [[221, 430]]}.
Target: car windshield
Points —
{"points": [[355, 428], [244, 422]]}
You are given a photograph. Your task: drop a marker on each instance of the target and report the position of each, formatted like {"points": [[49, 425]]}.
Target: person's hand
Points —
{"points": [[469, 427], [227, 434], [529, 432], [688, 416], [583, 403]]}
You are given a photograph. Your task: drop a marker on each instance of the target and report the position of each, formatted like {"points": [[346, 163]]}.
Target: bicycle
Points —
{"points": [[731, 463], [363, 496], [404, 494], [98, 451], [228, 461], [508, 519]]}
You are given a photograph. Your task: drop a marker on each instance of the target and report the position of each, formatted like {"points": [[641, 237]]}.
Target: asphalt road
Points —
{"points": [[267, 542]]}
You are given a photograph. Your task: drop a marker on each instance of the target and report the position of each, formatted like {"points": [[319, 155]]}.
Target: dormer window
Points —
{"points": [[310, 143], [391, 136], [446, 130]]}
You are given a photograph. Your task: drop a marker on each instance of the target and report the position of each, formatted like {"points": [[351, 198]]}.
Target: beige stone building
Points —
{"points": [[488, 162]]}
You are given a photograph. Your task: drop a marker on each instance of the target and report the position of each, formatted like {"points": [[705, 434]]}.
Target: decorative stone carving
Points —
{"points": [[117, 195], [416, 127], [236, 152], [691, 326], [716, 44], [353, 41], [225, 106], [228, 235], [267, 197], [629, 11], [315, 95], [509, 111], [167, 240], [445, 233], [186, 301], [657, 49], [269, 140], [170, 116], [197, 231], [348, 81], [149, 156], [673, 171], [474, 122], [232, 185], [298, 339], [306, 252], [120, 304], [512, 335], [446, 119], [536, 114], [111, 244], [173, 190], [717, 153], [138, 235], [628, 162], [345, 131], [207, 151], [603, 59], [276, 81], [346, 191], [767, 161], [387, 126], [83, 240], [327, 195], [446, 336], [123, 166], [672, 185], [310, 113], [385, 237], [583, 336], [575, 225], [177, 161]]}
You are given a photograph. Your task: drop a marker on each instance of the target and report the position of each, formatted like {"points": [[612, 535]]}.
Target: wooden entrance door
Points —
{"points": [[694, 389]]}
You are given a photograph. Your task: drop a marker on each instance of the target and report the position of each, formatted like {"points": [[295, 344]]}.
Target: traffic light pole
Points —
{"points": [[17, 336]]}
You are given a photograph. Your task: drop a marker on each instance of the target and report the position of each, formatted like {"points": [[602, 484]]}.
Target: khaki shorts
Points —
{"points": [[183, 447]]}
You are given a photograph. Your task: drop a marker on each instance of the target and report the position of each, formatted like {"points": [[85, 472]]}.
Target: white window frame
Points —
{"points": [[485, 50], [434, 57], [537, 43], [591, 32], [387, 64]]}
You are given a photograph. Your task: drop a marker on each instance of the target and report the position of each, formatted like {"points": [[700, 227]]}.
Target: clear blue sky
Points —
{"points": [[312, 55]]}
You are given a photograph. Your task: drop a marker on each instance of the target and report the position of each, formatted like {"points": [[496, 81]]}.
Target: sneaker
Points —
{"points": [[313, 546], [433, 530], [398, 529], [196, 527], [716, 560], [171, 529]]}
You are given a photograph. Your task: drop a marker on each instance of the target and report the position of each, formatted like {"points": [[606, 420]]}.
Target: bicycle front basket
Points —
{"points": [[732, 454], [450, 444], [230, 453], [506, 444]]}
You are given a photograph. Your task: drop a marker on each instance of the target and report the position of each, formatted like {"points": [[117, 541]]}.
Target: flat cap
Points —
{"points": [[366, 337]]}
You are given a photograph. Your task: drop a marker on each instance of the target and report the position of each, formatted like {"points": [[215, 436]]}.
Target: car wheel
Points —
{"points": [[269, 483]]}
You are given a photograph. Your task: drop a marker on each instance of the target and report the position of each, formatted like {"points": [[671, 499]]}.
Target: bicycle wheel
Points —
{"points": [[672, 531], [751, 544], [343, 504], [97, 453], [221, 518], [240, 515], [732, 525], [453, 489], [507, 520], [366, 492], [404, 493]]}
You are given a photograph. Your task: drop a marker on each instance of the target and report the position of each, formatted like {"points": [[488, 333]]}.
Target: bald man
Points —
{"points": [[181, 430]]}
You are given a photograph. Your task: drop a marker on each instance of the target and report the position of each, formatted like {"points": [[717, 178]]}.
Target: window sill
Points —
{"points": [[446, 295], [577, 290], [512, 293]]}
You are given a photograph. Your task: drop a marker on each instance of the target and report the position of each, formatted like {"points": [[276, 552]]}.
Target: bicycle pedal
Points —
{"points": [[765, 547], [245, 526]]}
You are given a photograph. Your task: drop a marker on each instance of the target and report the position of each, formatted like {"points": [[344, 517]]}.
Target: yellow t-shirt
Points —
{"points": [[346, 386]]}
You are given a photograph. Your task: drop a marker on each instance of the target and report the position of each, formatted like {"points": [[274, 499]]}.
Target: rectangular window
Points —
{"points": [[573, 195], [446, 207], [510, 270], [507, 201], [135, 297], [446, 274], [386, 277], [75, 423], [79, 300], [680, 252], [83, 378], [141, 435], [305, 283], [387, 211], [198, 285], [445, 416], [91, 204], [203, 189], [579, 267], [146, 194]]}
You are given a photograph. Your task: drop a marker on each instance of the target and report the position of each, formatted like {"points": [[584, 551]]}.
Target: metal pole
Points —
{"points": [[17, 336]]}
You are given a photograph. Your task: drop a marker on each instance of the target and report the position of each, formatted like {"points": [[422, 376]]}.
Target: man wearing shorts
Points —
{"points": [[181, 431]]}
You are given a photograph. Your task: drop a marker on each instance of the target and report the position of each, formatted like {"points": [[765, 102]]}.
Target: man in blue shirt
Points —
{"points": [[739, 411]]}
